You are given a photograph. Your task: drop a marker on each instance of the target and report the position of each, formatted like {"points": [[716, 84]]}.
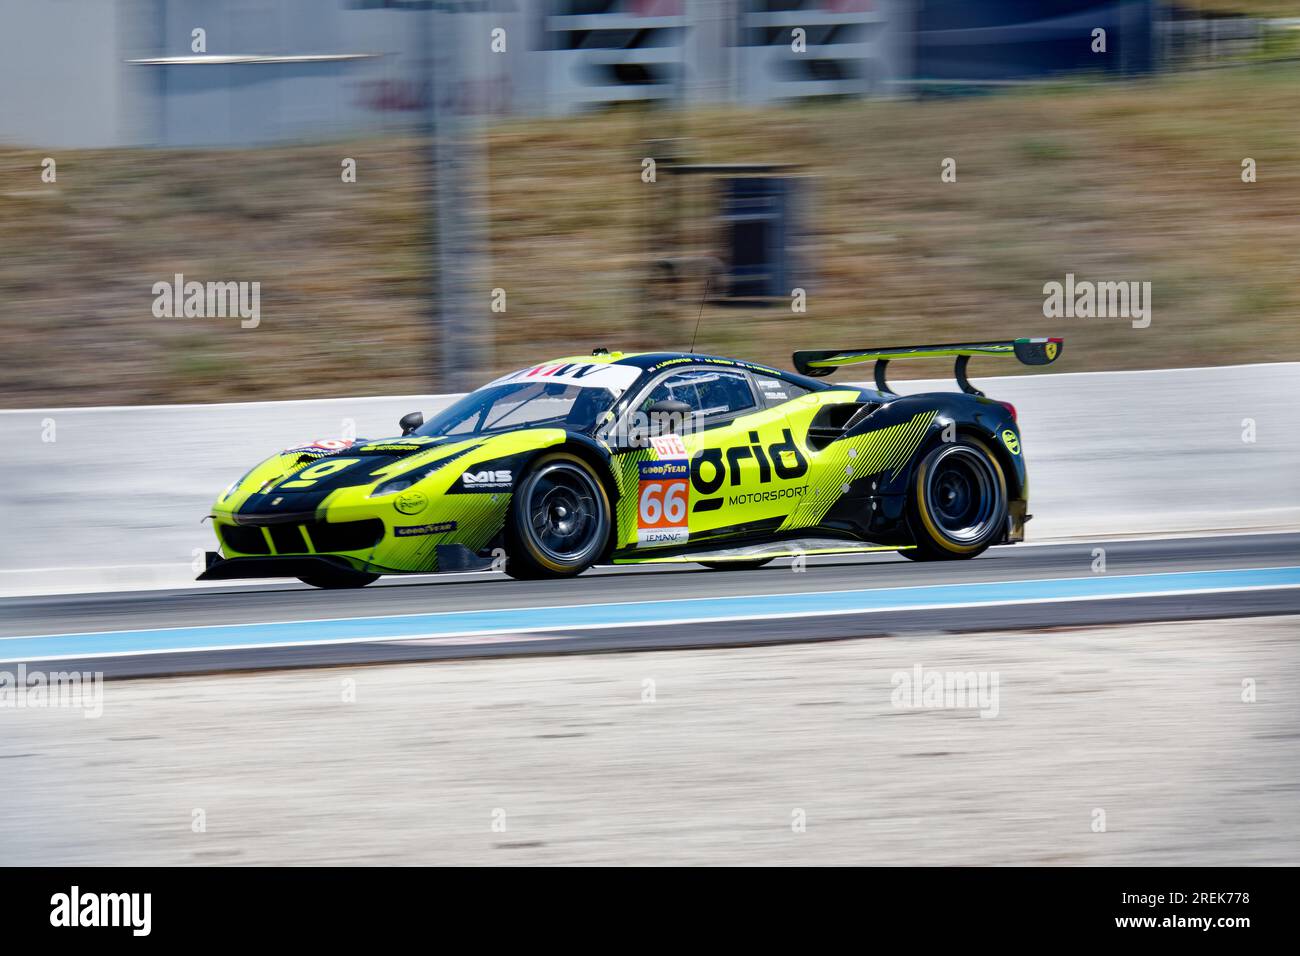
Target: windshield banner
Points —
{"points": [[612, 376]]}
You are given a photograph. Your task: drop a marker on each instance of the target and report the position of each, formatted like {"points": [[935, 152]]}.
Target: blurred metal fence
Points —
{"points": [[1190, 41]]}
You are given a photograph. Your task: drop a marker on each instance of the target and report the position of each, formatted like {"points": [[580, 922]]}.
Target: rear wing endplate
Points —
{"points": [[818, 362]]}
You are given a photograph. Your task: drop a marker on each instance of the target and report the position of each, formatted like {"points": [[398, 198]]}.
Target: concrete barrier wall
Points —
{"points": [[113, 498]]}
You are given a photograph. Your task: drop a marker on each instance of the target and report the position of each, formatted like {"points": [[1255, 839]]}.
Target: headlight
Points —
{"points": [[234, 485], [393, 486]]}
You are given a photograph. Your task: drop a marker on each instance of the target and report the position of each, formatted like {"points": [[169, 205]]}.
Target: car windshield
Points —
{"points": [[502, 407]]}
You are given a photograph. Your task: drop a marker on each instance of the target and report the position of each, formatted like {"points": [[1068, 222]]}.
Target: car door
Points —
{"points": [[734, 471]]}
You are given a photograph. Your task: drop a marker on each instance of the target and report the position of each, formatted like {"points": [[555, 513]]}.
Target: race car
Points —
{"points": [[649, 457]]}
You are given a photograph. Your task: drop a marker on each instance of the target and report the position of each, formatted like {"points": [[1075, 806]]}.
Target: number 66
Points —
{"points": [[666, 503]]}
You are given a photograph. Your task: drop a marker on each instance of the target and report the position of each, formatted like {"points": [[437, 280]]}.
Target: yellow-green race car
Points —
{"points": [[651, 457]]}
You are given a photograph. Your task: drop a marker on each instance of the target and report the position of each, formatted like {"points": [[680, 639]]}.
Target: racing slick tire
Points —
{"points": [[735, 565], [957, 504], [559, 519], [331, 578]]}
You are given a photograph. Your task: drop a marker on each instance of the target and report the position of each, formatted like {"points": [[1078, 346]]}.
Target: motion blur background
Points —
{"points": [[502, 145]]}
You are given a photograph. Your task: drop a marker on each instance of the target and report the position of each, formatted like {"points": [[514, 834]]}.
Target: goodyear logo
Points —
{"points": [[662, 470], [413, 530], [1011, 441]]}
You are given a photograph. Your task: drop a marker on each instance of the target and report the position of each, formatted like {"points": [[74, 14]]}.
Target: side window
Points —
{"points": [[724, 393], [708, 392], [774, 390]]}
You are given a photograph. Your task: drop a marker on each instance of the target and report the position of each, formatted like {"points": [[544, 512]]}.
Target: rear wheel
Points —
{"points": [[332, 578], [958, 502], [559, 519]]}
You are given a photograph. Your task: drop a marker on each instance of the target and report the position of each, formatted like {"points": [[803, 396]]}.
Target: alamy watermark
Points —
{"points": [[208, 300], [75, 908], [663, 431], [1098, 300], [946, 690], [37, 690]]}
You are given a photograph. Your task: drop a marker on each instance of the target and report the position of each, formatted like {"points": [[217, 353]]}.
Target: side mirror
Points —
{"points": [[410, 422], [669, 406], [668, 417]]}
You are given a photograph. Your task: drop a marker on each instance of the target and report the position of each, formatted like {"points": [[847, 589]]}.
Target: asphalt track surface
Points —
{"points": [[254, 626]]}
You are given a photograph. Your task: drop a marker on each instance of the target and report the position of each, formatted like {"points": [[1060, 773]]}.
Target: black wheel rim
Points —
{"points": [[563, 516], [963, 494]]}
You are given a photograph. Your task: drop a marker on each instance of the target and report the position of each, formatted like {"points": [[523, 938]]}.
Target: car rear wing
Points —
{"points": [[818, 362]]}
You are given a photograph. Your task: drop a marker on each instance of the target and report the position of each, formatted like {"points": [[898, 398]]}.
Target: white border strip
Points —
{"points": [[226, 59]]}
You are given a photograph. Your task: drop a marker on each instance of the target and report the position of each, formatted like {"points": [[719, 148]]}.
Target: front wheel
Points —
{"points": [[957, 506], [559, 519]]}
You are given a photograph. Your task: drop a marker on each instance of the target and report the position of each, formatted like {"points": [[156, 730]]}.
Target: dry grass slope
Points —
{"points": [[1110, 181]]}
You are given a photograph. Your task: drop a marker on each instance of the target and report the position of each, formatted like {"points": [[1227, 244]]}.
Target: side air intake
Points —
{"points": [[834, 420]]}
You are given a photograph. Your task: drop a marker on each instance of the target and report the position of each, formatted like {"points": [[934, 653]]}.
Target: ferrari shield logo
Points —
{"points": [[1051, 351]]}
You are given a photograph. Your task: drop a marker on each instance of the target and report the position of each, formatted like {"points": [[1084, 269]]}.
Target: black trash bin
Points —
{"points": [[757, 218]]}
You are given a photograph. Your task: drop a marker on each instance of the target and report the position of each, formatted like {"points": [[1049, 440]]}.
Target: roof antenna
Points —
{"points": [[707, 282]]}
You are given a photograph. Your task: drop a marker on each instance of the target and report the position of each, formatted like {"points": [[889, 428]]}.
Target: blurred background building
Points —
{"points": [[95, 73]]}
